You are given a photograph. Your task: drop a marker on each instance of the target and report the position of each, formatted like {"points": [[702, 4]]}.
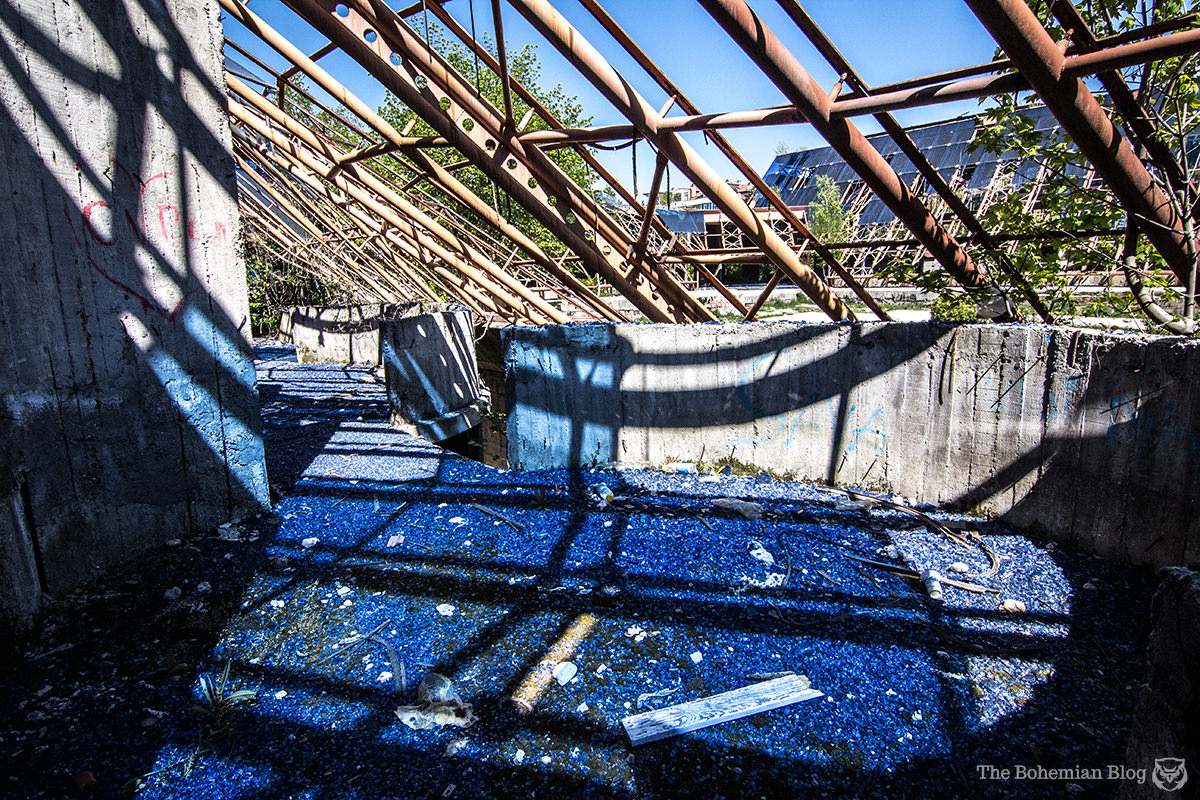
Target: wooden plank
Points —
{"points": [[724, 707]]}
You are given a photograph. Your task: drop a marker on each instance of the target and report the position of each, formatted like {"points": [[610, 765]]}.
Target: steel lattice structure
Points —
{"points": [[342, 192]]}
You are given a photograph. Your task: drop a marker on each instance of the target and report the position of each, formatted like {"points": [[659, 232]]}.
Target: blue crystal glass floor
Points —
{"points": [[378, 531]]}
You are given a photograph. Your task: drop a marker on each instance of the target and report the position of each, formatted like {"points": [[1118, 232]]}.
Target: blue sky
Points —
{"points": [[885, 40]]}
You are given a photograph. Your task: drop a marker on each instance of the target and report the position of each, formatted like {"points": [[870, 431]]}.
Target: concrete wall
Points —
{"points": [[349, 334], [1092, 437], [129, 412], [432, 375]]}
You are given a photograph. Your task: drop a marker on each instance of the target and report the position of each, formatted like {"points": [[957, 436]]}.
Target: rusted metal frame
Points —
{"points": [[296, 250], [809, 27], [411, 223], [585, 207], [535, 105], [259, 180], [548, 116], [753, 36], [502, 53], [1140, 124], [245, 17], [1003, 64], [571, 43], [367, 260], [639, 247], [1019, 32], [395, 210], [331, 85], [507, 163], [413, 254], [730, 152], [442, 177], [881, 99], [752, 312], [463, 257], [317, 56]]}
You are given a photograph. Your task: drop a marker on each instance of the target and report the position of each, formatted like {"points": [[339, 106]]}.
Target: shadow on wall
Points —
{"points": [[129, 401], [1092, 437]]}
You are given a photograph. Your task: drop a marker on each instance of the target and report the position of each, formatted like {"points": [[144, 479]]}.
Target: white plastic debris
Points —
{"points": [[634, 630], [1011, 606], [519, 757], [697, 657], [280, 694], [278, 604], [384, 677], [564, 672], [959, 567], [395, 540], [438, 706], [582, 708], [311, 541], [681, 468], [748, 510], [760, 553], [344, 590], [445, 609], [458, 521]]}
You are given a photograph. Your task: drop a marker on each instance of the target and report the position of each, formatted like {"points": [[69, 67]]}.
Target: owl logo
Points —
{"points": [[1169, 774]]}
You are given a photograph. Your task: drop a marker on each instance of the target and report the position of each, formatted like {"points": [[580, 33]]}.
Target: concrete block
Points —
{"points": [[432, 376]]}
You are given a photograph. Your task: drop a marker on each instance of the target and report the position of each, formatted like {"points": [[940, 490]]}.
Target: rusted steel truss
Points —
{"points": [[337, 190]]}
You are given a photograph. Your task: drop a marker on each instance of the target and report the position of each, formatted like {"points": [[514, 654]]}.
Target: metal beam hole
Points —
{"points": [[341, 10], [490, 144], [511, 163], [395, 59], [532, 183], [468, 124], [444, 103], [370, 35]]}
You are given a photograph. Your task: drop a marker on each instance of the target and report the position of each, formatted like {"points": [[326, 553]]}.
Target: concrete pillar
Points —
{"points": [[129, 413]]}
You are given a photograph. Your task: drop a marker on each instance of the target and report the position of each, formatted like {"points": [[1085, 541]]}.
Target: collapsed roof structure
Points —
{"points": [[342, 191]]}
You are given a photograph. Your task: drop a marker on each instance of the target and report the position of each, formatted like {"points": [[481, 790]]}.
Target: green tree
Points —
{"points": [[524, 67], [827, 218]]}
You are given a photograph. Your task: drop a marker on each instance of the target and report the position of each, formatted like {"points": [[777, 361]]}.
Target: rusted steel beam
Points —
{"points": [[382, 201], [502, 52], [583, 296], [423, 79], [1019, 32], [798, 86], [1140, 124], [907, 146], [571, 43], [317, 56], [723, 144], [546, 114], [639, 247]]}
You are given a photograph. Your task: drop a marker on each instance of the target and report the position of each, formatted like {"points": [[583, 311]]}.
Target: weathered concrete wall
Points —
{"points": [[129, 409], [1166, 721], [1093, 437], [349, 334], [432, 375]]}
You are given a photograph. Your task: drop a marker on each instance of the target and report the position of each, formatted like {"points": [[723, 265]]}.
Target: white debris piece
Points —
{"points": [[1011, 606], [761, 553], [278, 603], [311, 541], [564, 672], [748, 510], [697, 657], [445, 609]]}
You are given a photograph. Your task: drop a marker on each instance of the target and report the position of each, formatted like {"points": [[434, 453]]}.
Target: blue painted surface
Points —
{"points": [[906, 709]]}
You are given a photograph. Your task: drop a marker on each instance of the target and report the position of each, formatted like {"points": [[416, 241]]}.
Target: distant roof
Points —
{"points": [[945, 144]]}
